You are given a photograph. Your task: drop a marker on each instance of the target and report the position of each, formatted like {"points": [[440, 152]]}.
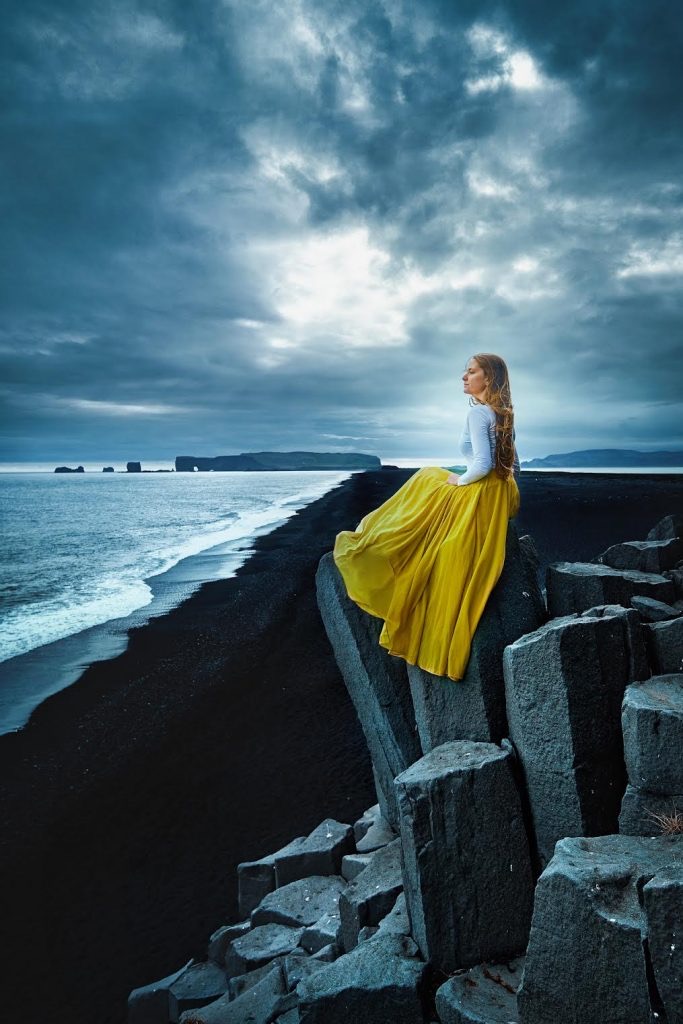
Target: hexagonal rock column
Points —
{"points": [[644, 555], [474, 708], [380, 980], [588, 957], [485, 994], [575, 586], [466, 868], [564, 685], [377, 683], [652, 724], [665, 645], [663, 901]]}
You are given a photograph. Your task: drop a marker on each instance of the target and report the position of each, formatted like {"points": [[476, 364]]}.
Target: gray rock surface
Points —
{"points": [[376, 682], [587, 953], [296, 967], [379, 982], [222, 937], [663, 902], [259, 1004], [634, 636], [260, 945], [665, 645], [379, 834], [199, 985], [654, 611], [367, 818], [326, 930], [484, 994], [676, 577], [642, 812], [467, 873], [576, 586], [669, 526], [353, 864], [320, 853], [300, 903], [652, 725], [474, 707], [153, 1003], [255, 878], [643, 555], [398, 919], [564, 687], [372, 894]]}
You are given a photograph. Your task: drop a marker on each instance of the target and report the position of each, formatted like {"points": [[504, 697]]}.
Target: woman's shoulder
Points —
{"points": [[480, 411]]}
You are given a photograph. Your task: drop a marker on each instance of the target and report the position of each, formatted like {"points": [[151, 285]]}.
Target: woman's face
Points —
{"points": [[473, 379]]}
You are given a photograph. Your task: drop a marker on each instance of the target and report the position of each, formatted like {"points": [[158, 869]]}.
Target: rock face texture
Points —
{"points": [[576, 586], [589, 956], [564, 685], [467, 872], [377, 683], [524, 862], [474, 707]]}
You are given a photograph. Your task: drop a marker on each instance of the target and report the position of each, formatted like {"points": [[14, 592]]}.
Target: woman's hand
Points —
{"points": [[452, 478]]}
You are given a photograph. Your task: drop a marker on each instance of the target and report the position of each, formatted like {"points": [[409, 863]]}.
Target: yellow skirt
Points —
{"points": [[426, 562]]}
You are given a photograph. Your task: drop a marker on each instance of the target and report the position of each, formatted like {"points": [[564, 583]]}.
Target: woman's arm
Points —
{"points": [[478, 423]]}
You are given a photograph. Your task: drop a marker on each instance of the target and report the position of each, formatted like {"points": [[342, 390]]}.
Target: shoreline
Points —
{"points": [[30, 678], [222, 732]]}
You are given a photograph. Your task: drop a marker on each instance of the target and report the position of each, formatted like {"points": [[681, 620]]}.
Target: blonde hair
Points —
{"points": [[497, 395]]}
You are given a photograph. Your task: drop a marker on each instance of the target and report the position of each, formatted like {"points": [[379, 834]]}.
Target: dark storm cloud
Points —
{"points": [[241, 225]]}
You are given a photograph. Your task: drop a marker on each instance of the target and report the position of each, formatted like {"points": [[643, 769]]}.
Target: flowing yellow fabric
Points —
{"points": [[426, 562]]}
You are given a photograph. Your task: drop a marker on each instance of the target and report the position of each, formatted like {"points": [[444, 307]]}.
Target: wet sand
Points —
{"points": [[223, 731]]}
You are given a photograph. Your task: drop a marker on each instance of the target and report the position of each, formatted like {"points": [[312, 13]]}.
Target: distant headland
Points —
{"points": [[254, 461], [612, 457], [259, 461]]}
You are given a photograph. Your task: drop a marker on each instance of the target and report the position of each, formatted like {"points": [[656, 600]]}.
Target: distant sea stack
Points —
{"points": [[68, 469], [107, 469], [133, 467], [260, 461], [613, 457]]}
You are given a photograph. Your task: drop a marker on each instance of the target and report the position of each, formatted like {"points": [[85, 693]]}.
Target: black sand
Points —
{"points": [[222, 732]]}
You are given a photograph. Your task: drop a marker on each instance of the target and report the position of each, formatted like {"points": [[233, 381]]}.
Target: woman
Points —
{"points": [[427, 559]]}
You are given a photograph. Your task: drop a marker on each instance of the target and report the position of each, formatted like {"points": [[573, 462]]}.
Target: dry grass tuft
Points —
{"points": [[669, 824]]}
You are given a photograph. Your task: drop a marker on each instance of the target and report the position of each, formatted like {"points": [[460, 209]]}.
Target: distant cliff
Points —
{"points": [[606, 457], [277, 460]]}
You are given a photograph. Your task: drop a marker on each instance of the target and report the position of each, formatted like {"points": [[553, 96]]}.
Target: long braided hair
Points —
{"points": [[497, 395]]}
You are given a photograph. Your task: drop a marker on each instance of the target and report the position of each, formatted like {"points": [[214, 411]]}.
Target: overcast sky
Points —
{"points": [[247, 224]]}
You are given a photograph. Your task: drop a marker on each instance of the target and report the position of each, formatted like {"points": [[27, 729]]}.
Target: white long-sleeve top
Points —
{"points": [[478, 444]]}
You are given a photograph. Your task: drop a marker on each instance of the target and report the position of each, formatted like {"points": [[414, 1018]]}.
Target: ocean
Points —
{"points": [[83, 552]]}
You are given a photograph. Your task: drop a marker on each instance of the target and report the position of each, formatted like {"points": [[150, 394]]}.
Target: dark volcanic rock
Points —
{"points": [[473, 708], [587, 958], [564, 687], [665, 645], [663, 902], [647, 814], [319, 853], [467, 873], [300, 903], [377, 683], [652, 724], [380, 980], [371, 895], [133, 467], [485, 994], [576, 586], [669, 526], [644, 555]]}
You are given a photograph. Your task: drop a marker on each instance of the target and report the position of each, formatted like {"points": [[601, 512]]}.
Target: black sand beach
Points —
{"points": [[222, 732]]}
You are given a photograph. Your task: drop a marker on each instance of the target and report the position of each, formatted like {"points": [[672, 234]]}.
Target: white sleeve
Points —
{"points": [[478, 423]]}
